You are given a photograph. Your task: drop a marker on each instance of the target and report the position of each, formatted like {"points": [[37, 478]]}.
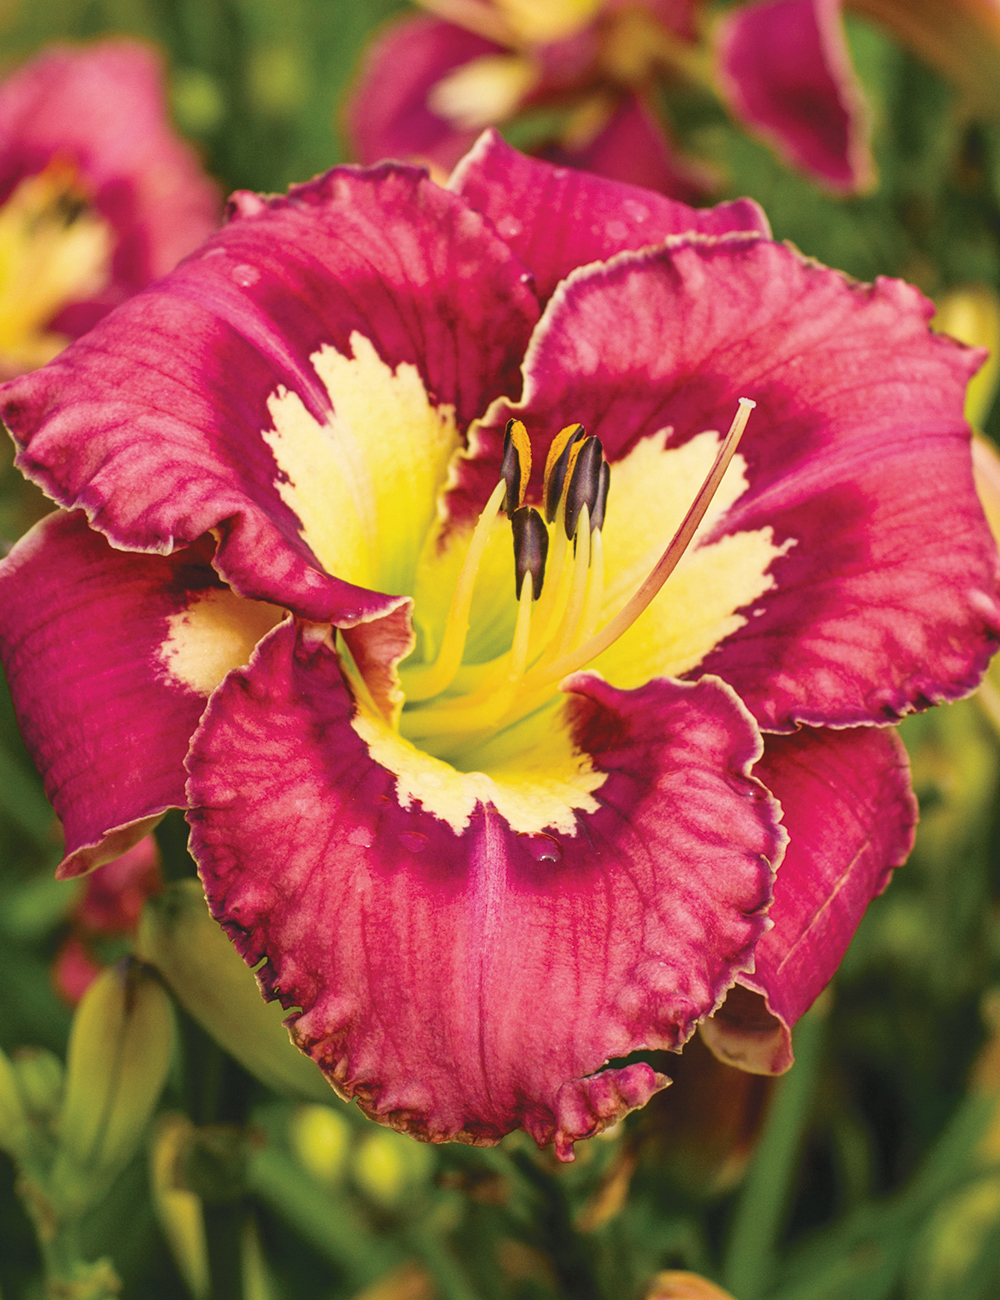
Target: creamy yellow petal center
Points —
{"points": [[215, 634], [54, 250], [651, 490], [541, 786], [365, 483]]}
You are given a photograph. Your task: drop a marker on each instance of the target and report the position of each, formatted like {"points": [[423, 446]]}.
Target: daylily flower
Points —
{"points": [[782, 67], [98, 195], [429, 84], [368, 508]]}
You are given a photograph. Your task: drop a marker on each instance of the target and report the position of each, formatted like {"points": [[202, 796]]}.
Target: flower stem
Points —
{"points": [[751, 1250]]}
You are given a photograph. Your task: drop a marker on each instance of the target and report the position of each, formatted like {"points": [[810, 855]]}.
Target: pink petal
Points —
{"points": [[463, 985], [850, 815], [857, 454], [152, 423], [74, 969], [115, 894], [72, 102], [633, 149], [81, 630], [387, 116], [786, 70], [557, 219]]}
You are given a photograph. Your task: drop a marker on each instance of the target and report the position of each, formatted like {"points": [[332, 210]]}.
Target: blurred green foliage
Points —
{"points": [[877, 1173]]}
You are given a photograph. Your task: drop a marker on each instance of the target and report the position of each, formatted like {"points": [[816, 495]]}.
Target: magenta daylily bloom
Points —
{"points": [[781, 66], [429, 84], [484, 822], [90, 212]]}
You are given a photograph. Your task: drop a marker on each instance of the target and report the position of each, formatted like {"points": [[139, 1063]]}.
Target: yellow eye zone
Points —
{"points": [[54, 250], [369, 486]]}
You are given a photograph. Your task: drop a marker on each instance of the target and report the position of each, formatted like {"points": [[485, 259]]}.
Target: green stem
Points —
{"points": [[224, 1224], [441, 1264], [67, 1276], [751, 1248], [566, 1250], [331, 1227]]}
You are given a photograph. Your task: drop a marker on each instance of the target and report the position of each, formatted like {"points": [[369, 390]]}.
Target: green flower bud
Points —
{"points": [[972, 315], [211, 981], [119, 1052], [15, 1135], [320, 1138], [179, 1210], [387, 1165], [39, 1076]]}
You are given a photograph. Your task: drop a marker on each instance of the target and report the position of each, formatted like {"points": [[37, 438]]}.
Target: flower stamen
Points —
{"points": [[531, 549], [561, 637], [548, 675], [515, 468], [584, 485], [426, 681]]}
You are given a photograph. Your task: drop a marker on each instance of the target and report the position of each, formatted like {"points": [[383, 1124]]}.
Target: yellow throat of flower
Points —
{"points": [[53, 250], [559, 572]]}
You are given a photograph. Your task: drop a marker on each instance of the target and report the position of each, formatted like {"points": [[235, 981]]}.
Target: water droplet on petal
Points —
{"points": [[616, 230], [362, 837], [413, 841], [509, 227], [543, 848], [637, 211], [245, 274]]}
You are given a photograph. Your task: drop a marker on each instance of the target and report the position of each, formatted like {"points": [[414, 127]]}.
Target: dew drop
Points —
{"points": [[245, 274], [616, 230], [509, 227], [543, 848], [413, 841], [637, 211], [361, 837]]}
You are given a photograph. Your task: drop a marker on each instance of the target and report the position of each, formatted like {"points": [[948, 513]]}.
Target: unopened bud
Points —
{"points": [[387, 1165], [214, 985], [40, 1077], [15, 1135], [119, 1053], [320, 1138], [972, 315], [179, 1210]]}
